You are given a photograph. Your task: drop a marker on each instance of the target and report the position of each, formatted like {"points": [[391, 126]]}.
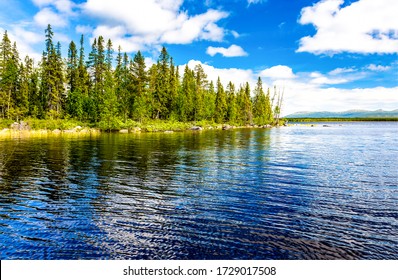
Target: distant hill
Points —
{"points": [[346, 114]]}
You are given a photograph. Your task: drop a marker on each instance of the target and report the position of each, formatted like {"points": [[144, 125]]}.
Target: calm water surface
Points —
{"points": [[285, 193]]}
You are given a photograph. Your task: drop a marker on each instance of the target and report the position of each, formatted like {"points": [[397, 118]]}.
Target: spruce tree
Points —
{"points": [[9, 74], [161, 95], [247, 105], [140, 110], [186, 101], [108, 106], [221, 103], [74, 106], [201, 87], [83, 85], [209, 102], [259, 104], [52, 90], [231, 103]]}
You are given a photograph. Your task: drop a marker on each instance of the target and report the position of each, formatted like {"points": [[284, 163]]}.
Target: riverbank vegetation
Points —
{"points": [[121, 93]]}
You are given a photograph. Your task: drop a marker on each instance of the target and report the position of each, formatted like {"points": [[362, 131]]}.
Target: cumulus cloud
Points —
{"points": [[54, 12], [48, 16], [310, 97], [320, 79], [232, 51], [364, 26], [64, 6], [378, 68], [278, 72], [153, 22]]}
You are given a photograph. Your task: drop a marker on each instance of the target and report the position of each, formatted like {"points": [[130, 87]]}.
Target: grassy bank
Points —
{"points": [[70, 125]]}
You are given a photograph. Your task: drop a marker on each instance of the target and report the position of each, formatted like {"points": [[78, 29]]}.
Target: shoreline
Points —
{"points": [[80, 131]]}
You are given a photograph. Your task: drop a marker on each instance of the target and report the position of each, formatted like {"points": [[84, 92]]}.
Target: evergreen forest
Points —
{"points": [[108, 88]]}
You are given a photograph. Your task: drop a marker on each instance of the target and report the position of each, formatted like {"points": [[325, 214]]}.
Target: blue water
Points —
{"points": [[296, 192]]}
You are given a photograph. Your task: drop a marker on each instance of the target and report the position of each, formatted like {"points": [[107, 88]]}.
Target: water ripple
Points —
{"points": [[289, 193]]}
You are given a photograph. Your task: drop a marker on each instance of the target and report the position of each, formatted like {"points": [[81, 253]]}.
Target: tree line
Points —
{"points": [[108, 88]]}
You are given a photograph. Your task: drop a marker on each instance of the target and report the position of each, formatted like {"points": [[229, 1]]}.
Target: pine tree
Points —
{"points": [[154, 104], [9, 71], [22, 96], [209, 102], [108, 102], [201, 87], [174, 86], [260, 104], [74, 106], [186, 101], [123, 80], [162, 100], [83, 85], [247, 103], [140, 110], [52, 90], [221, 103], [97, 71], [269, 118], [231, 103], [34, 104]]}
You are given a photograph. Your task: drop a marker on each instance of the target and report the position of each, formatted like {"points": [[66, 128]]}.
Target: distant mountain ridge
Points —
{"points": [[345, 114]]}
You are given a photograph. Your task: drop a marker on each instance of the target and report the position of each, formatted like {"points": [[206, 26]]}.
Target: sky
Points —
{"points": [[325, 55]]}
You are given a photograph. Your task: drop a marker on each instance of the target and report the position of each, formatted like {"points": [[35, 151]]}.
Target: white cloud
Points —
{"points": [[339, 71], [232, 51], [254, 1], [278, 72], [235, 34], [320, 79], [364, 26], [48, 16], [154, 22], [41, 3], [25, 41], [64, 6], [236, 75], [116, 34], [83, 29], [196, 27], [304, 97], [378, 68]]}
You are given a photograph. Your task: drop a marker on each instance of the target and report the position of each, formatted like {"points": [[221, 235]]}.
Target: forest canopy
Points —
{"points": [[106, 88]]}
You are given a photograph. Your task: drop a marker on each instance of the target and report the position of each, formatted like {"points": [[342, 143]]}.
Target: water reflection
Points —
{"points": [[287, 193]]}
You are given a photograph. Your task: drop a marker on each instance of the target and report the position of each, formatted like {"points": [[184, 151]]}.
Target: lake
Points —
{"points": [[296, 192]]}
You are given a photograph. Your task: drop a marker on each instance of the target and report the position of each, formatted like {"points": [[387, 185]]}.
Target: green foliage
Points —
{"points": [[52, 124], [5, 123], [121, 95], [262, 110], [221, 103], [164, 125]]}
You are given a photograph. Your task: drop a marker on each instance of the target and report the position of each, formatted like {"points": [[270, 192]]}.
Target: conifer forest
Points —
{"points": [[108, 87]]}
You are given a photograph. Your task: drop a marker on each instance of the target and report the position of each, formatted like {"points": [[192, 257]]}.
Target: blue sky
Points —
{"points": [[331, 55]]}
